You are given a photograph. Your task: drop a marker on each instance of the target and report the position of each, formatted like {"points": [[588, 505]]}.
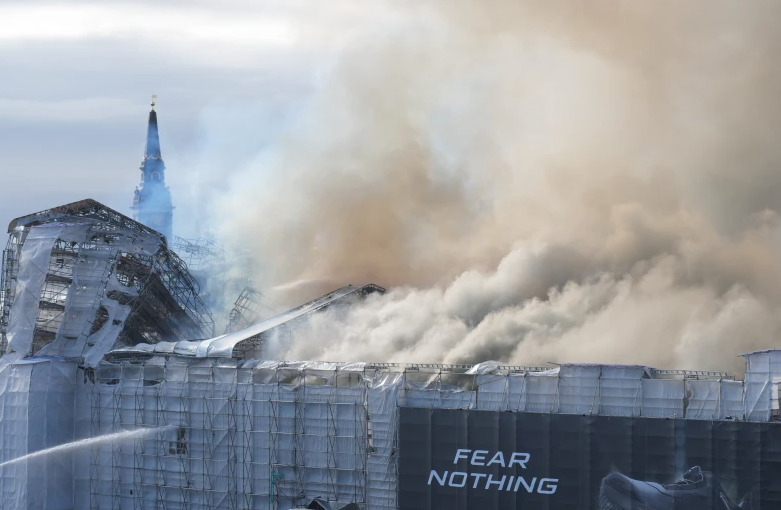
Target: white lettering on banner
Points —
{"points": [[515, 460], [459, 478], [478, 456], [550, 488], [477, 476], [434, 474], [497, 459], [500, 483], [461, 454], [487, 481], [510, 483], [452, 481], [522, 480]]}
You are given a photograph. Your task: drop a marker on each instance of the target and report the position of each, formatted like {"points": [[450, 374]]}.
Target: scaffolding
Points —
{"points": [[81, 278], [235, 435], [202, 254], [248, 434], [8, 273], [247, 310], [206, 261]]}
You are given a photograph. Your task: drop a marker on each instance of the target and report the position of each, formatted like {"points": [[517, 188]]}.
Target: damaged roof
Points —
{"points": [[83, 209], [223, 346]]}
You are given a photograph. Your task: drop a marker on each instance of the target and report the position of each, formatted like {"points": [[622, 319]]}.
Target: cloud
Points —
{"points": [[77, 110], [23, 22]]}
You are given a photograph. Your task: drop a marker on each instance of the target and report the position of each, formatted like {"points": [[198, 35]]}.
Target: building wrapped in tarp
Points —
{"points": [[237, 433], [167, 419]]}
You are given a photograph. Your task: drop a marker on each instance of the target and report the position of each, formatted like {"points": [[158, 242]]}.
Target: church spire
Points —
{"points": [[152, 203], [152, 150]]}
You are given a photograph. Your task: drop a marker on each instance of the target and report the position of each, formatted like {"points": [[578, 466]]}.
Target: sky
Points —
{"points": [[77, 78]]}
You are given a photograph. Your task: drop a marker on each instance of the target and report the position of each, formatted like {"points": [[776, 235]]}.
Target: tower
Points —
{"points": [[152, 203]]}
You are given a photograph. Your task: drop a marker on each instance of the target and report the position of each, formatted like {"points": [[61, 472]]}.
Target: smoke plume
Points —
{"points": [[535, 181]]}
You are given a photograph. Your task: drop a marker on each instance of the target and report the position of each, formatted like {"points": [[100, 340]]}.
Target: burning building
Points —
{"points": [[106, 341], [81, 278]]}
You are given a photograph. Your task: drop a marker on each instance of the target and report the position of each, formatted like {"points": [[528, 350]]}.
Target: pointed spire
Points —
{"points": [[152, 150], [152, 200]]}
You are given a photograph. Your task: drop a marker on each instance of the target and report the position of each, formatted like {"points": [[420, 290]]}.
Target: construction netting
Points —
{"points": [[184, 433]]}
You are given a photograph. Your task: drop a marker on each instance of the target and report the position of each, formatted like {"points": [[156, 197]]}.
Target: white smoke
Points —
{"points": [[537, 181]]}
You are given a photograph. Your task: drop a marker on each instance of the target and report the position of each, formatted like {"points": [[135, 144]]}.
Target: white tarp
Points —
{"points": [[731, 400], [702, 399], [93, 276], [33, 267], [579, 389], [381, 461], [761, 368], [51, 423], [542, 391], [14, 426], [492, 392], [237, 440], [36, 413], [516, 392], [620, 390], [662, 398], [268, 435]]}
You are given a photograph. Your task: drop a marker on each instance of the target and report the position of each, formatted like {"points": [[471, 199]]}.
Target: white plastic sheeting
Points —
{"points": [[101, 341], [271, 435], [253, 435], [227, 433], [381, 477], [14, 425], [542, 390], [435, 393], [492, 392], [761, 368], [33, 267], [662, 398], [731, 404], [714, 399], [611, 390], [579, 389], [620, 390], [36, 413], [92, 277], [498, 392], [702, 399], [90, 269]]}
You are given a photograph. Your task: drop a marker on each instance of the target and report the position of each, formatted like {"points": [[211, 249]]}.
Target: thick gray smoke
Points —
{"points": [[537, 181]]}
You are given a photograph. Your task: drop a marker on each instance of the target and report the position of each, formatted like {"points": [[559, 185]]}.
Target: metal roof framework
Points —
{"points": [[162, 294]]}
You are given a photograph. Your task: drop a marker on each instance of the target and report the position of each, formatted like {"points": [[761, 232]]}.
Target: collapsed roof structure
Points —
{"points": [[81, 278], [248, 343], [246, 309]]}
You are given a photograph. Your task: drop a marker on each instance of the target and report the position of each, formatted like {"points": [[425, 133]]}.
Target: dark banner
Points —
{"points": [[485, 460]]}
